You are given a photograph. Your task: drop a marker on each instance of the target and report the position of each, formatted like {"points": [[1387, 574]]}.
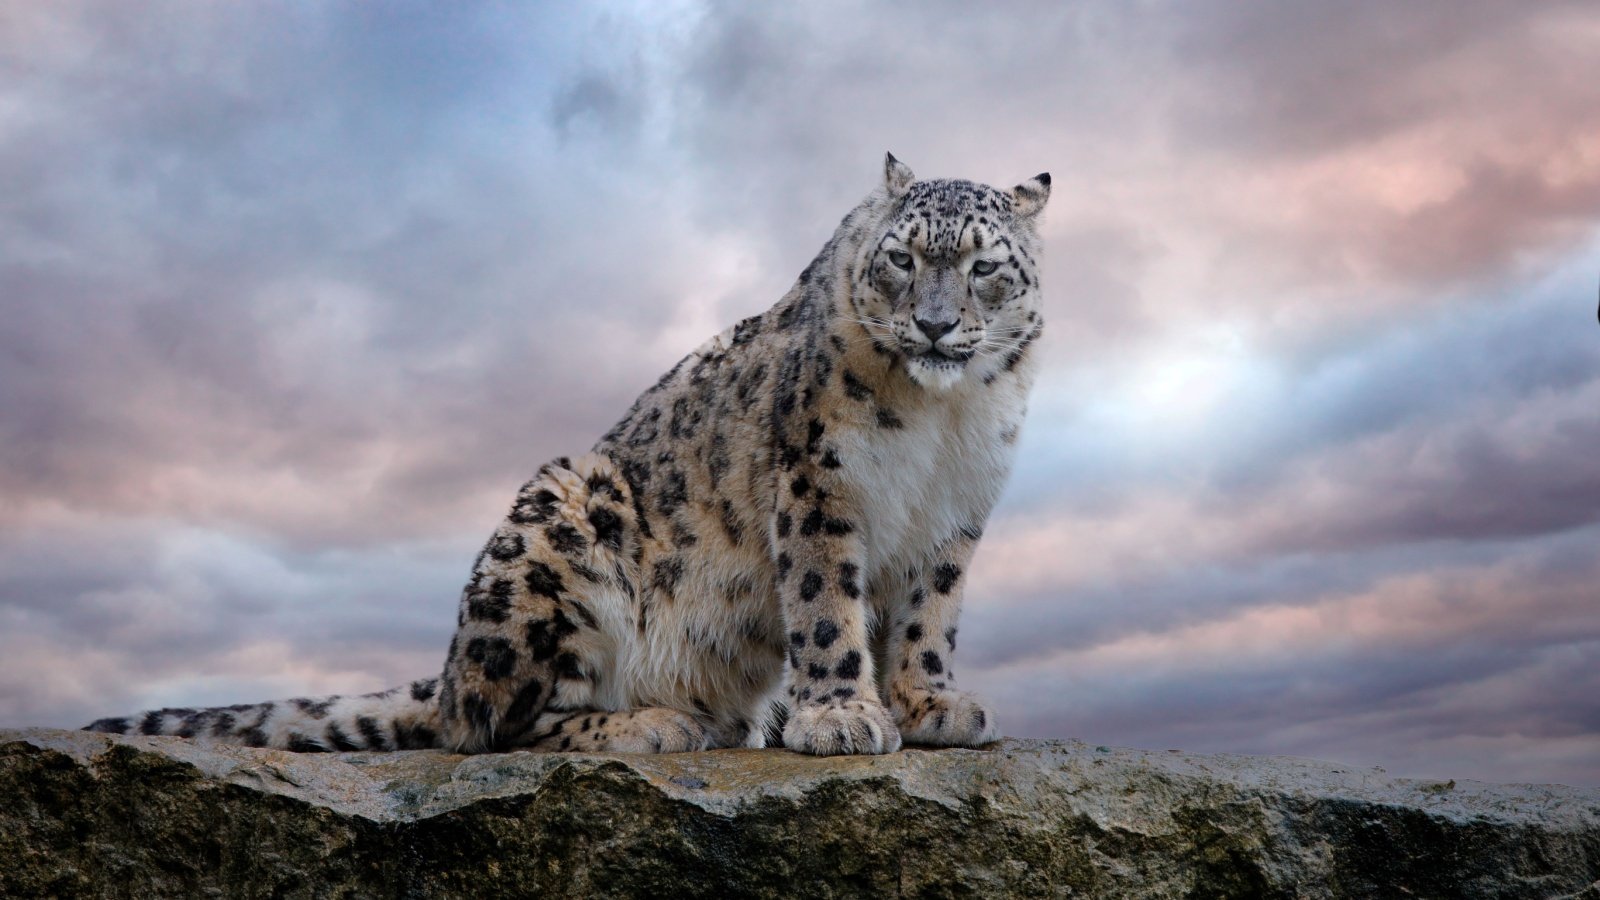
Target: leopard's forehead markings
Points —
{"points": [[954, 197], [938, 214]]}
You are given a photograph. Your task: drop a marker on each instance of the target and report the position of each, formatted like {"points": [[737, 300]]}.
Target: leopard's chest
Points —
{"points": [[932, 478]]}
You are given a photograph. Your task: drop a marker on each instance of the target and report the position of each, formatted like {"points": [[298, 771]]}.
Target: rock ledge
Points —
{"points": [[104, 815]]}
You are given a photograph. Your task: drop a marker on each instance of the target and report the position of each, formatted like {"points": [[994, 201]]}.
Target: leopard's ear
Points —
{"points": [[897, 175], [1029, 197]]}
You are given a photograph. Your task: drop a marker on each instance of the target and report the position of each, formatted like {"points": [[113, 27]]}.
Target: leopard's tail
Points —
{"points": [[402, 718]]}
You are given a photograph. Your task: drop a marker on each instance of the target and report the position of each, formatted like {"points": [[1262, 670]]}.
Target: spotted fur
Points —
{"points": [[783, 522]]}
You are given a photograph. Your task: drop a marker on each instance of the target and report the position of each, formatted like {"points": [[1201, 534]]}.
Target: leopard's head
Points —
{"points": [[951, 281]]}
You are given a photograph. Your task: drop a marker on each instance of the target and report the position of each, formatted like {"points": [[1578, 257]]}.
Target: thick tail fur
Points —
{"points": [[402, 718]]}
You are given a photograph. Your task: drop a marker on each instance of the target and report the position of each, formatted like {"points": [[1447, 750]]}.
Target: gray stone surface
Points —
{"points": [[99, 815]]}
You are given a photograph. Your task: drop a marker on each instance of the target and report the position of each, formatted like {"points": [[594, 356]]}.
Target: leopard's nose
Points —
{"points": [[935, 330]]}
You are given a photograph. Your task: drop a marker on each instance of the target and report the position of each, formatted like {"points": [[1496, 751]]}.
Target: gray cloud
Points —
{"points": [[1450, 674], [598, 101], [131, 614], [297, 263], [1302, 78]]}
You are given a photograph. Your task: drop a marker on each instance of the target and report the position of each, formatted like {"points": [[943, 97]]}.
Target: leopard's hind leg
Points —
{"points": [[541, 617]]}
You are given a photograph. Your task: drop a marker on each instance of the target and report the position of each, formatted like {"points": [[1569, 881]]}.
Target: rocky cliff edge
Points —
{"points": [[100, 815]]}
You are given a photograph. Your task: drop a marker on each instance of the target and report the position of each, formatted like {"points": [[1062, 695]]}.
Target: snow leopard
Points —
{"points": [[771, 545]]}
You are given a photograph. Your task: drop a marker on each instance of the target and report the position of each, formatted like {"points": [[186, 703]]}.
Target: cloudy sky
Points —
{"points": [[294, 295]]}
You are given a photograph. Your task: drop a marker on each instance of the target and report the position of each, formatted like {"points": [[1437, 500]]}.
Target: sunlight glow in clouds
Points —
{"points": [[1175, 386]]}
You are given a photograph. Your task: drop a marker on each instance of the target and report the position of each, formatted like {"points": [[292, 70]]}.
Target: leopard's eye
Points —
{"points": [[901, 259], [984, 267]]}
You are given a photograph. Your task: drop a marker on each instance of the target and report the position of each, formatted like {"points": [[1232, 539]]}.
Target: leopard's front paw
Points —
{"points": [[851, 726], [945, 719]]}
